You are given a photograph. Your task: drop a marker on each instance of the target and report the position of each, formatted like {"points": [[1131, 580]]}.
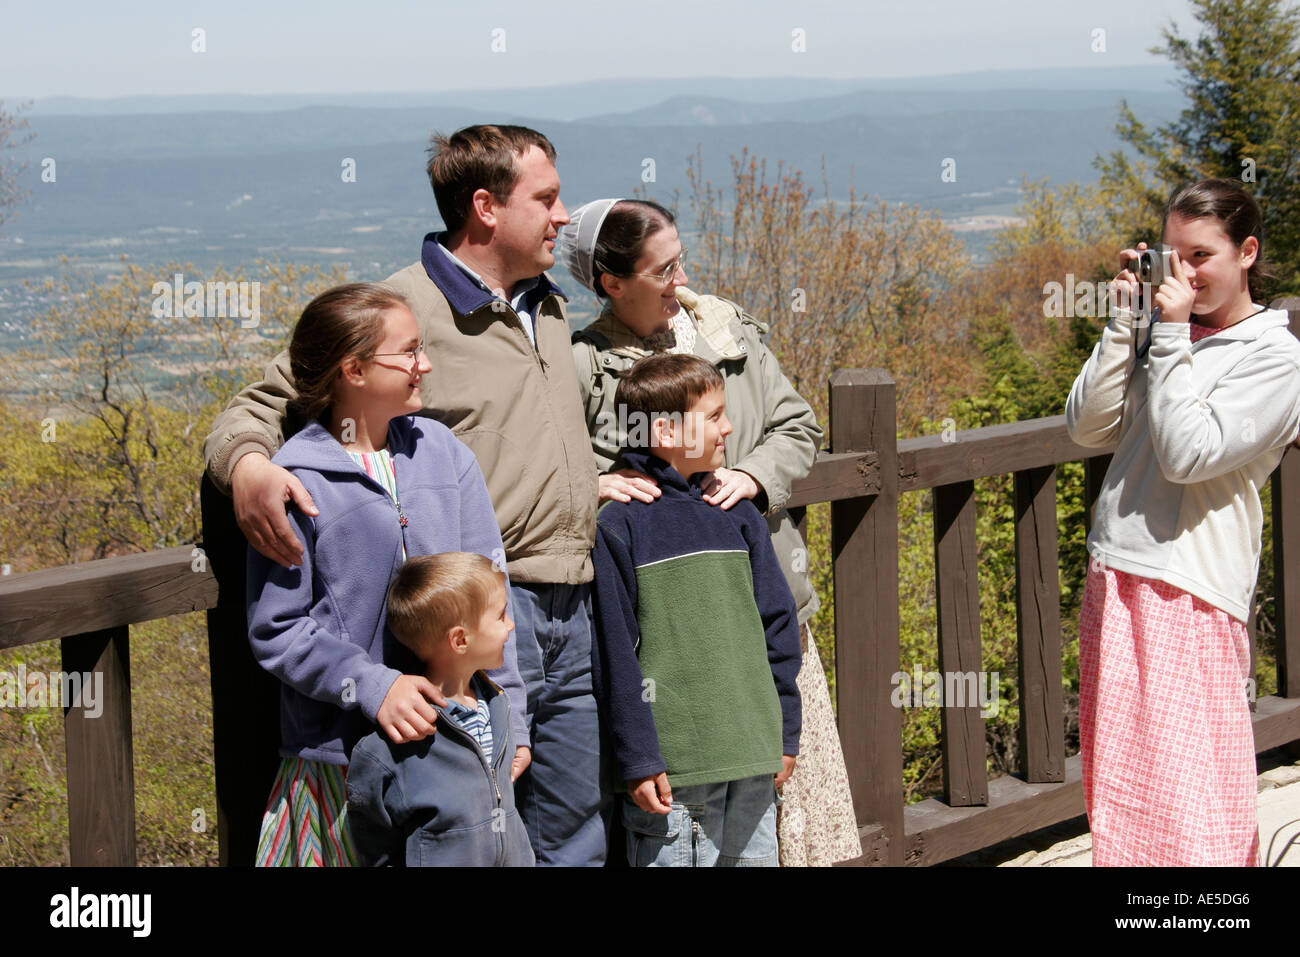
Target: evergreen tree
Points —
{"points": [[1242, 81]]}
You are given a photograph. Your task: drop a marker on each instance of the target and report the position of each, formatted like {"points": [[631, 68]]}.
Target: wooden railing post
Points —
{"points": [[864, 547], [1286, 574], [245, 698], [101, 778], [1286, 528], [957, 595], [1038, 627]]}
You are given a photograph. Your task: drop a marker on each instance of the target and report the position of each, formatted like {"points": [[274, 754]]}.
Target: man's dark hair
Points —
{"points": [[478, 157]]}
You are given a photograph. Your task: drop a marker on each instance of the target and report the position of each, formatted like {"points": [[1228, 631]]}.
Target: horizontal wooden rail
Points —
{"points": [[92, 596], [89, 607], [934, 460], [836, 476]]}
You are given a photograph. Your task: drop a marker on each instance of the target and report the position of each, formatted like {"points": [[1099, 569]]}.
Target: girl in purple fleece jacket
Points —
{"points": [[386, 486]]}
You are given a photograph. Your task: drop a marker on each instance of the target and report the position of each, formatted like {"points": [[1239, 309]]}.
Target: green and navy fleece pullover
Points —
{"points": [[697, 637]]}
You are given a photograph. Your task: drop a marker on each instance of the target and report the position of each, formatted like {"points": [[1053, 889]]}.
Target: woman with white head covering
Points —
{"points": [[628, 252]]}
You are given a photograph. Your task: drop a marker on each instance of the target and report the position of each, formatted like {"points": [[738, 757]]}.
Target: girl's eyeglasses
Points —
{"points": [[413, 354]]}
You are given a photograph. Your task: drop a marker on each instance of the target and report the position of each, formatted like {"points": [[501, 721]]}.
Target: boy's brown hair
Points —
{"points": [[662, 385], [478, 157], [434, 593]]}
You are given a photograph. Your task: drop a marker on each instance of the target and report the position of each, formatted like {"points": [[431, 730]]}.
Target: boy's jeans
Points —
{"points": [[732, 824]]}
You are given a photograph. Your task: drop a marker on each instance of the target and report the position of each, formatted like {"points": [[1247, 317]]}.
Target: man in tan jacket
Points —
{"points": [[503, 381]]}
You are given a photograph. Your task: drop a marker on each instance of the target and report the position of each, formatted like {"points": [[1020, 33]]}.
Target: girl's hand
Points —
{"points": [[519, 764], [1175, 296], [729, 486], [406, 714], [1124, 287]]}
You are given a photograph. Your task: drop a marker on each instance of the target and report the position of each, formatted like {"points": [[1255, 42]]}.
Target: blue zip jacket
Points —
{"points": [[438, 802], [320, 628]]}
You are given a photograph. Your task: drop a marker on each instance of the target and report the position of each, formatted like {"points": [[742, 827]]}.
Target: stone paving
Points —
{"points": [[1279, 823]]}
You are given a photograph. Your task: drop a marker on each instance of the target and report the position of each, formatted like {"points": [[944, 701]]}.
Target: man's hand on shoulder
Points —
{"points": [[627, 484], [260, 490]]}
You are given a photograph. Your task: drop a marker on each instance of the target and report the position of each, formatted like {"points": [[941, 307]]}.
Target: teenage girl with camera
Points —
{"points": [[1202, 415]]}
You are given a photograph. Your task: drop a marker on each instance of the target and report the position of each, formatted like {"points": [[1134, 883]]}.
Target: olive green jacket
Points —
{"points": [[775, 434], [513, 405]]}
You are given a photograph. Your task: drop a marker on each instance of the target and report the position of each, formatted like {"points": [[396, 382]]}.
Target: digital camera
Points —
{"points": [[1151, 267]]}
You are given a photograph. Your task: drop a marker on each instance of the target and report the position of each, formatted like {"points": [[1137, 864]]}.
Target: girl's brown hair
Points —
{"points": [[1228, 202], [340, 322]]}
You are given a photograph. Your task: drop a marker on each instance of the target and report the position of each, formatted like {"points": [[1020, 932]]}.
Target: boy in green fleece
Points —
{"points": [[697, 646]]}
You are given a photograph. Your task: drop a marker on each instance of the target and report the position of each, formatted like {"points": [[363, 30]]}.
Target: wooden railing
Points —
{"points": [[862, 476], [89, 607]]}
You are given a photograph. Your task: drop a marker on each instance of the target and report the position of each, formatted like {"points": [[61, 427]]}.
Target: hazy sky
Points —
{"points": [[104, 50]]}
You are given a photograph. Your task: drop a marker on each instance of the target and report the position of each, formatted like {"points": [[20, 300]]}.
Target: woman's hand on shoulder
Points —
{"points": [[406, 713], [728, 486]]}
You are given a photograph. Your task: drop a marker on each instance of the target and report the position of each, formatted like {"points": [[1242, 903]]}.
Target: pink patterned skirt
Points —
{"points": [[1167, 748]]}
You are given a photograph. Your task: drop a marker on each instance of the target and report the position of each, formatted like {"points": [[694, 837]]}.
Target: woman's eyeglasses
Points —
{"points": [[663, 278], [669, 272]]}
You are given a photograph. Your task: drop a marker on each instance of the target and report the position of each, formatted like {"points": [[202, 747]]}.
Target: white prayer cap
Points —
{"points": [[576, 242]]}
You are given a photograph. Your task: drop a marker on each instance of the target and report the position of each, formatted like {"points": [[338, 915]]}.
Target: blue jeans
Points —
{"points": [[732, 824], [559, 795]]}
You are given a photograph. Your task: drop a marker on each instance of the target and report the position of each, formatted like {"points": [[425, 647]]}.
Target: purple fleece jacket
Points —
{"points": [[320, 628]]}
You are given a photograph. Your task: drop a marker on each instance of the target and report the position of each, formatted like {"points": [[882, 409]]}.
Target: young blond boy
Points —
{"points": [[697, 646], [448, 799]]}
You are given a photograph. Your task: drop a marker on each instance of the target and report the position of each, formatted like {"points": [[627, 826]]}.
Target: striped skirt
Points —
{"points": [[306, 819], [1165, 734]]}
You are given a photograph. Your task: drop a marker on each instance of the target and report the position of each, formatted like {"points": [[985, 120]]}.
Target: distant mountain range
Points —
{"points": [[227, 179]]}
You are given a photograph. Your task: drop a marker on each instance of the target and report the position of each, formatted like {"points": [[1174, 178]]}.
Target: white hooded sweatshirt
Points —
{"points": [[1200, 426]]}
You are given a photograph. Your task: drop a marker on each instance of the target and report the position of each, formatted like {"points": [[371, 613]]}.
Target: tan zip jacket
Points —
{"points": [[514, 406]]}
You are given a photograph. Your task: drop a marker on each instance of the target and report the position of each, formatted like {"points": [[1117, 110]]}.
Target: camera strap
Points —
{"points": [[1142, 335]]}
